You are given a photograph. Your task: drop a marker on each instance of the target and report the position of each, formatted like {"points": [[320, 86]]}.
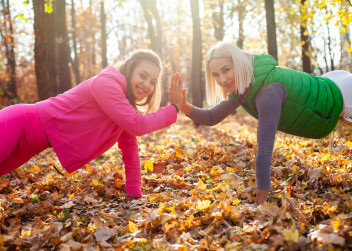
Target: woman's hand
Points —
{"points": [[185, 107], [176, 95], [262, 195]]}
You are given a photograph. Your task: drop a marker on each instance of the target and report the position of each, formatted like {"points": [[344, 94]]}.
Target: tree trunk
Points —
{"points": [[305, 40], [75, 61], [40, 50], [271, 28], [51, 53], [62, 47], [149, 8], [218, 22], [241, 11], [151, 12], [196, 72], [103, 34], [331, 54], [10, 90]]}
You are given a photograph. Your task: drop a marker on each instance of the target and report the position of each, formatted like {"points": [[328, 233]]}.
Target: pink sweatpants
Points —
{"points": [[21, 136]]}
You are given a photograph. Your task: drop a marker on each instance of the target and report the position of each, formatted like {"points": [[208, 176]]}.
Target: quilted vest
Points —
{"points": [[313, 104]]}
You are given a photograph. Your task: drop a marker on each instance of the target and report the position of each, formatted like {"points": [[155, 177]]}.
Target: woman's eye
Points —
{"points": [[227, 70], [143, 76], [215, 75], [153, 82]]}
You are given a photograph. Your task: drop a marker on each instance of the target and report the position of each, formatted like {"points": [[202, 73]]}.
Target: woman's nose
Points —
{"points": [[222, 78]]}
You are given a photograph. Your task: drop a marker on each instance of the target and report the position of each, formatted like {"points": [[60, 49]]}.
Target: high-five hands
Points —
{"points": [[185, 107], [176, 96]]}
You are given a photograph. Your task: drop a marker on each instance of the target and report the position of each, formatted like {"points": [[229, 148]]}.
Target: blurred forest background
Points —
{"points": [[49, 46]]}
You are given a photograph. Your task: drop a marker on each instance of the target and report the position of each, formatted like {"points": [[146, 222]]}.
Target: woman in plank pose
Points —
{"points": [[86, 121], [281, 99]]}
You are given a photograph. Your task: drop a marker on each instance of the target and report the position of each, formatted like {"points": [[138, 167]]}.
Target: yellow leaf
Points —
{"points": [[131, 227], [230, 170], [71, 196], [35, 169], [95, 183], [291, 234], [1, 240], [148, 165], [349, 143], [27, 233], [236, 202], [336, 224], [168, 226], [158, 197], [92, 227], [294, 168], [179, 154], [202, 205], [201, 185], [325, 157]]}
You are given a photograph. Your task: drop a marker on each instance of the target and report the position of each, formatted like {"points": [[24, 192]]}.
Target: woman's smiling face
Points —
{"points": [[144, 78], [222, 70]]}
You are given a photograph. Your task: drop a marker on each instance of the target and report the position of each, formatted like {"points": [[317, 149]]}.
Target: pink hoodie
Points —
{"points": [[87, 120]]}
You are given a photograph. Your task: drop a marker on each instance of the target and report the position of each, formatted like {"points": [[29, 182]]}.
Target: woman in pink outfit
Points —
{"points": [[87, 120]]}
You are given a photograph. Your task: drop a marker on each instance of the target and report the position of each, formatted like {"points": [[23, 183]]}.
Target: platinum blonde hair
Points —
{"points": [[242, 67]]}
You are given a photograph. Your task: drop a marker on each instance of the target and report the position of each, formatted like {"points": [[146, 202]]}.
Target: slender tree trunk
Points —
{"points": [[196, 77], [51, 53], [147, 6], [62, 47], [103, 34], [241, 15], [75, 61], [331, 54], [10, 90], [151, 12], [218, 22], [158, 36], [271, 28], [305, 40], [40, 50]]}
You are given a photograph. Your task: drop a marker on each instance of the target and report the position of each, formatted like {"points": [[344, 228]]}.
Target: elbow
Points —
{"points": [[136, 132]]}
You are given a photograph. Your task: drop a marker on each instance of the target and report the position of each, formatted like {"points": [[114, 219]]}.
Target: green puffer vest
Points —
{"points": [[313, 104]]}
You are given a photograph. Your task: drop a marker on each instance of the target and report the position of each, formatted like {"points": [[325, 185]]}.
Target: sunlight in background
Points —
{"points": [[130, 14]]}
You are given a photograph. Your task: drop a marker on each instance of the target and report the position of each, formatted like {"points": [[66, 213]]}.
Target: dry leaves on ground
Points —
{"points": [[199, 194]]}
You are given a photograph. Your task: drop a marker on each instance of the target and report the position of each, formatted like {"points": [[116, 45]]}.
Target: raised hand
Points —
{"points": [[176, 95], [186, 107]]}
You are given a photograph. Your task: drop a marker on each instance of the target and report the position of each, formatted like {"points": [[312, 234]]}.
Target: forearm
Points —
{"points": [[214, 115], [130, 156]]}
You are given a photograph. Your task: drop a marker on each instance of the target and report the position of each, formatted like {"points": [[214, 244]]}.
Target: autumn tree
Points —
{"points": [[218, 20], [306, 60], [9, 89], [103, 34], [155, 33], [151, 13], [239, 8], [196, 71], [271, 28], [45, 87], [63, 50], [52, 69], [75, 60]]}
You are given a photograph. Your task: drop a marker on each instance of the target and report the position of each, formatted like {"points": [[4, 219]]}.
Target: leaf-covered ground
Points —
{"points": [[198, 186]]}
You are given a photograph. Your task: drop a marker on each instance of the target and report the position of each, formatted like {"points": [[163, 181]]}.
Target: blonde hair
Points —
{"points": [[242, 67], [152, 102]]}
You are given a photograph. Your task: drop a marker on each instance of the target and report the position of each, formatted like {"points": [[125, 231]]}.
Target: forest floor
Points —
{"points": [[199, 194]]}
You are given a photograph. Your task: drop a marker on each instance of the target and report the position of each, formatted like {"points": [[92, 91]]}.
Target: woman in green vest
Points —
{"points": [[281, 99]]}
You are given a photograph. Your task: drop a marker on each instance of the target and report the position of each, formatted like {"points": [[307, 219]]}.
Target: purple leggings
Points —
{"points": [[21, 136]]}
